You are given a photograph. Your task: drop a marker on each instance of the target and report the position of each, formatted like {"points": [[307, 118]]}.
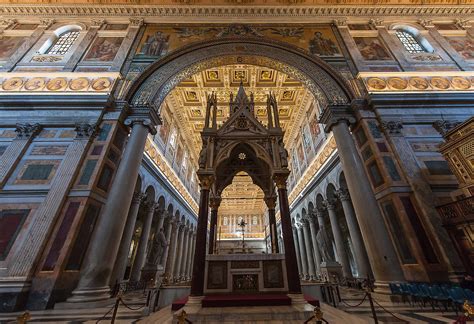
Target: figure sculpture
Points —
{"points": [[324, 243], [158, 248]]}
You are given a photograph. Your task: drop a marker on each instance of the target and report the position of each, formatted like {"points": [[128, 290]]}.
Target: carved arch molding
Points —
{"points": [[154, 84]]}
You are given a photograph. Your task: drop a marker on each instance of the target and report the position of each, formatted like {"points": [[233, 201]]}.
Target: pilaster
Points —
{"points": [[16, 149]]}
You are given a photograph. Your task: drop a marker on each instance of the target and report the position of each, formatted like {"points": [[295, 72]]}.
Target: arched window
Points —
{"points": [[409, 42], [63, 43]]}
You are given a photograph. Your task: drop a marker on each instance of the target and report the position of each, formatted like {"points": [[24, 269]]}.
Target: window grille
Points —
{"points": [[63, 43], [409, 42]]}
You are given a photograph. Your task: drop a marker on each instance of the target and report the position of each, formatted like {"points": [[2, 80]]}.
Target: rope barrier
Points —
{"points": [[348, 305], [105, 315], [389, 312], [130, 308]]}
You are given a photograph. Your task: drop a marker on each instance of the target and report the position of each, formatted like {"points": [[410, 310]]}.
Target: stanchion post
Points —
{"points": [[372, 307], [116, 306]]}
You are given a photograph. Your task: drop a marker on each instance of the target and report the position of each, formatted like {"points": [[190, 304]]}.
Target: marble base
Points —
{"points": [[85, 304], [84, 298], [332, 271]]}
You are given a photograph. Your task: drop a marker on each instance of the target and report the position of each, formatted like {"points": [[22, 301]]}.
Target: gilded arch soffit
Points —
{"points": [[154, 84]]}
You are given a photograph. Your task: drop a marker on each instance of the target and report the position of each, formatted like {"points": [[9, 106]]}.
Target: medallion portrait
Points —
{"points": [[397, 83], [419, 83], [377, 83], [56, 84], [101, 84], [440, 83], [79, 84], [12, 84], [460, 83], [35, 84]]}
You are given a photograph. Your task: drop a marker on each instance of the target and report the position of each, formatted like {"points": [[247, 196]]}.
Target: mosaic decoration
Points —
{"points": [[403, 81], [463, 45], [372, 49], [8, 45], [103, 49], [58, 82], [159, 40]]}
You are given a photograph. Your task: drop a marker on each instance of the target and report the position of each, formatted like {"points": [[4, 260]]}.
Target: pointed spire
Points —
{"points": [[241, 95]]}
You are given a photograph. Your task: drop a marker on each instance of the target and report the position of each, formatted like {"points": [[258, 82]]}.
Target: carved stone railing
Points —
{"points": [[457, 211]]}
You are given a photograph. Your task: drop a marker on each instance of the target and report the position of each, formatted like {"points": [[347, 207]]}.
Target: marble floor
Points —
{"points": [[362, 314]]}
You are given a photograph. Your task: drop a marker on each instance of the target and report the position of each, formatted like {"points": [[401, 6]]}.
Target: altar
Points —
{"points": [[245, 273]]}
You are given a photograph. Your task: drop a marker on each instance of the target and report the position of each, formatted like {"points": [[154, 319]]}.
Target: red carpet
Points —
{"points": [[242, 300], [179, 303], [245, 300]]}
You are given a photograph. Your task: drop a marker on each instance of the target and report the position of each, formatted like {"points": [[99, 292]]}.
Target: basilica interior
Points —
{"points": [[198, 161]]}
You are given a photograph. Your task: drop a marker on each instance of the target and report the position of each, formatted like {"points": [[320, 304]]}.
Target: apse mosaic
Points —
{"points": [[160, 40]]}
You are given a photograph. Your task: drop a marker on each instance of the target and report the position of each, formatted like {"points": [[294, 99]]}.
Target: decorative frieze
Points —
{"points": [[416, 82], [208, 13]]}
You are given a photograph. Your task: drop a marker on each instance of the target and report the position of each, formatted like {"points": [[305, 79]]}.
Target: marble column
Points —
{"points": [[360, 254], [182, 266], [382, 256], [103, 248], [122, 256], [271, 204], [303, 252], [16, 149], [142, 248], [338, 239], [192, 239], [179, 253], [298, 253], [199, 260], [214, 203], [294, 286], [309, 251], [317, 255], [22, 263], [170, 264]]}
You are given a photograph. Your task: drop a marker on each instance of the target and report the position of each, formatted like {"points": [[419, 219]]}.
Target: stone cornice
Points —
{"points": [[206, 13]]}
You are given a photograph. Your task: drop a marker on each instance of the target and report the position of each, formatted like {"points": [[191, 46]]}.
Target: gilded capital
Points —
{"points": [[206, 181], [280, 180]]}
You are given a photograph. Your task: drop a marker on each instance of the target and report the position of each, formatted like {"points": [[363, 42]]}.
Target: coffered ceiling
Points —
{"points": [[188, 104]]}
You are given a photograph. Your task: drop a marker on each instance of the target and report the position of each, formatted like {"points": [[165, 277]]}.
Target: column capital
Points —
{"points": [[444, 126], [215, 202], [426, 22], [206, 179], [340, 22], [330, 204], [143, 113], [26, 131], [392, 127], [86, 131], [280, 179], [136, 21], [463, 23], [343, 194], [97, 23], [334, 114], [377, 22], [150, 206], [138, 197], [46, 22], [7, 22]]}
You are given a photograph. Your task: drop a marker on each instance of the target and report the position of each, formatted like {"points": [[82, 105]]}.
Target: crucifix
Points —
{"points": [[242, 225]]}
